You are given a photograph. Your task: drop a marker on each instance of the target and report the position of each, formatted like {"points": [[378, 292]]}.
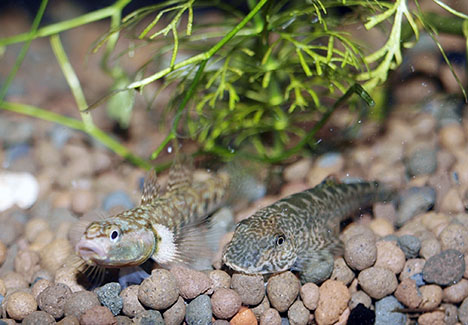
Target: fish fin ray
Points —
{"points": [[180, 176], [151, 188]]}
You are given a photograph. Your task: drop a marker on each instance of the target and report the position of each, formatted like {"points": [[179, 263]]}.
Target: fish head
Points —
{"points": [[116, 243], [260, 246]]}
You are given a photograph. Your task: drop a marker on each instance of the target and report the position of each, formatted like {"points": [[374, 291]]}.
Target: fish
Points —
{"points": [[300, 232], [165, 227]]}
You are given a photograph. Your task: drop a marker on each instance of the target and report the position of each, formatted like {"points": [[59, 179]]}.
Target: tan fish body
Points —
{"points": [[163, 227], [299, 232]]}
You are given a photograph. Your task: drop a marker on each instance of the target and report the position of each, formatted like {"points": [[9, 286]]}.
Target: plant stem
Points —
{"points": [[77, 125], [24, 50], [202, 56]]}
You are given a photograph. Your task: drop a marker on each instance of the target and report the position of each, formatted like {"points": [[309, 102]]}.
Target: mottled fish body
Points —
{"points": [[300, 231], [164, 227]]}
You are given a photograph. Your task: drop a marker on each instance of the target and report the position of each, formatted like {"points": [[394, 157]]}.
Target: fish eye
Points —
{"points": [[280, 240], [114, 235]]}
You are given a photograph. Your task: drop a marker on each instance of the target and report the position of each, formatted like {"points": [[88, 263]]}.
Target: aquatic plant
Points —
{"points": [[259, 82]]}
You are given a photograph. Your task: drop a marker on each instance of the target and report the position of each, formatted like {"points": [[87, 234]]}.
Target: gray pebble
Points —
{"points": [[149, 317], [176, 313], [445, 268], [445, 109], [390, 238], [123, 320], [109, 297], [282, 290], [418, 278], [59, 135], [329, 160], [422, 161], [117, 198], [250, 288], [410, 245], [320, 272], [38, 318], [14, 132], [79, 302], [298, 314], [198, 311], [384, 312], [414, 201]]}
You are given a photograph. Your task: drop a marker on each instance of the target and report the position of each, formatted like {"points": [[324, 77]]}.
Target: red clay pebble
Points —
{"points": [[52, 299], [342, 272], [158, 291], [38, 318], [40, 286], [412, 267], [451, 314], [360, 252], [429, 248], [191, 283], [407, 293], [270, 317], [131, 305], [176, 314], [333, 300], [433, 318], [431, 297], [98, 315], [219, 279], [298, 314], [69, 320], [225, 303], [79, 302], [377, 282], [244, 317], [445, 268], [310, 295], [250, 288], [390, 256], [282, 290], [20, 304], [456, 293]]}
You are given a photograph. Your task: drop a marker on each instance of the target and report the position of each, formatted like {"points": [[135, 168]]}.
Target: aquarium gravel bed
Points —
{"points": [[403, 261]]}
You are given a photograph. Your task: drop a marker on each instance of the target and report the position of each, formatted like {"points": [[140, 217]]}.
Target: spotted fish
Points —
{"points": [[299, 232], [164, 227]]}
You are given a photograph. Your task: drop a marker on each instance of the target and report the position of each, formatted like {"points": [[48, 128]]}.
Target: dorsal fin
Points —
{"points": [[150, 188], [180, 174], [331, 179]]}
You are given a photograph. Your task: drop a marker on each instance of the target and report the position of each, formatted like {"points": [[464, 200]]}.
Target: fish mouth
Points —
{"points": [[89, 251]]}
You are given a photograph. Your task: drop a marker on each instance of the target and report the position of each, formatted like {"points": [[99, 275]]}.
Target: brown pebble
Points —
{"points": [[341, 272], [159, 290], [451, 136], [298, 314], [432, 318], [68, 275], [454, 236], [191, 283], [381, 227], [225, 303], [270, 317], [3, 253], [261, 308], [69, 320], [3, 288], [44, 238], [333, 300], [219, 279], [359, 297], [131, 305], [98, 315], [355, 229], [14, 280], [175, 314], [407, 293], [377, 282], [282, 290], [244, 317], [33, 227], [250, 288], [297, 171], [456, 293], [451, 314], [52, 299], [390, 256], [124, 320], [8, 321], [221, 322], [452, 202], [79, 302], [20, 304], [82, 201], [360, 252], [54, 254], [384, 211], [412, 266], [431, 296], [429, 248], [40, 286], [310, 295], [27, 263], [38, 317]]}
